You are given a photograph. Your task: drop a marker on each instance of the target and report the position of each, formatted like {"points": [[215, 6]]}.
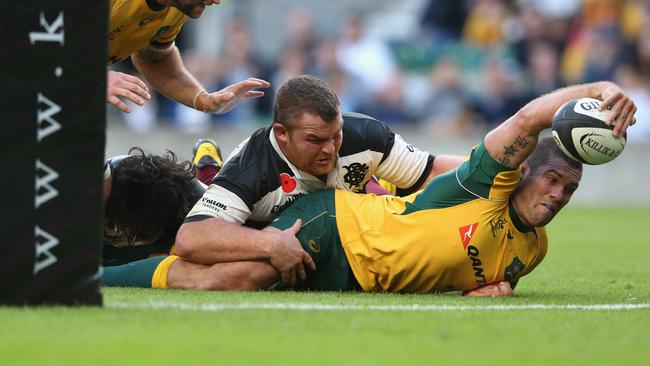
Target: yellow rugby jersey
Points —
{"points": [[134, 24], [459, 233]]}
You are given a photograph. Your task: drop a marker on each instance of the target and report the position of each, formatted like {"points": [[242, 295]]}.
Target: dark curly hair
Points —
{"points": [[150, 196]]}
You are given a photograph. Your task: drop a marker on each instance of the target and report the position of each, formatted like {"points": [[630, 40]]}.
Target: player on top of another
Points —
{"points": [[145, 30], [310, 146], [478, 228]]}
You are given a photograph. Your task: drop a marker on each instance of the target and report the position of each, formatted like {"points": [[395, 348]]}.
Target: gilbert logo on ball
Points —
{"points": [[580, 131]]}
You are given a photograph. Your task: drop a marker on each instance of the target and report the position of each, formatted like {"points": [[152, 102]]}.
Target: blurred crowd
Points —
{"points": [[471, 64]]}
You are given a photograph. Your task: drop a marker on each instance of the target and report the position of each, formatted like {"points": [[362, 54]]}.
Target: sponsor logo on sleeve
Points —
{"points": [[212, 204]]}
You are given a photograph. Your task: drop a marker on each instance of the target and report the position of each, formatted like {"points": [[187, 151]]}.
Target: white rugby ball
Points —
{"points": [[581, 133]]}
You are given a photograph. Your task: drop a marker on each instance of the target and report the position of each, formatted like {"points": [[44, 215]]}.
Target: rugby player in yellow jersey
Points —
{"points": [[145, 30], [477, 229], [481, 224]]}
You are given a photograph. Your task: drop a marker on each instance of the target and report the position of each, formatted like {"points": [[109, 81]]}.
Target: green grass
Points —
{"points": [[596, 255]]}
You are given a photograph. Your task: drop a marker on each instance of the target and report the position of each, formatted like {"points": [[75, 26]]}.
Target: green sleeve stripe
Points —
{"points": [[443, 191], [477, 174]]}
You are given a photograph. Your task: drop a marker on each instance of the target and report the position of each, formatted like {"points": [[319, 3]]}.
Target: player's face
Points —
{"points": [[191, 8], [545, 191], [312, 144]]}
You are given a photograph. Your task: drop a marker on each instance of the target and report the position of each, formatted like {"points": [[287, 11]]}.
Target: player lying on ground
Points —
{"points": [[146, 199], [477, 229]]}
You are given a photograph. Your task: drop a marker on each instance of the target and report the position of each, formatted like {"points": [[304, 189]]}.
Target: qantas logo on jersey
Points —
{"points": [[477, 265], [466, 233]]}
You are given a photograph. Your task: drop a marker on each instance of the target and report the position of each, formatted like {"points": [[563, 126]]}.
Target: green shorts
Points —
{"points": [[319, 237]]}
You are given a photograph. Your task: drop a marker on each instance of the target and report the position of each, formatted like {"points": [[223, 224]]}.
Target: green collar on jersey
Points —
{"points": [[517, 221]]}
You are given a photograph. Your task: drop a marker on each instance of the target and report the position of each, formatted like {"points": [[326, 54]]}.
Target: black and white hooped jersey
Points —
{"points": [[257, 181]]}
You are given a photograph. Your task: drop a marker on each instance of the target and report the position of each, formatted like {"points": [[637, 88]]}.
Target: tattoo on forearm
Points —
{"points": [[522, 142], [509, 150]]}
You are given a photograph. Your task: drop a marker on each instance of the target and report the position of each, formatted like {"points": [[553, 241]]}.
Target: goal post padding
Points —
{"points": [[52, 128]]}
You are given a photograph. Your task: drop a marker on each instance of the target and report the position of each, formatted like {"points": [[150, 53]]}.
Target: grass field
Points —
{"points": [[587, 303]]}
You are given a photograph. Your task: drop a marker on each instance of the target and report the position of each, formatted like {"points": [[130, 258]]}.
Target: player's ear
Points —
{"points": [[524, 167], [281, 133]]}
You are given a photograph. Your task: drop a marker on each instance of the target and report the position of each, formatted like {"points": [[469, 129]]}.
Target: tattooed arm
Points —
{"points": [[512, 141]]}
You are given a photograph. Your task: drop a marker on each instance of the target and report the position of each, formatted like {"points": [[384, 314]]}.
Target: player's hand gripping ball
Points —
{"points": [[580, 131]]}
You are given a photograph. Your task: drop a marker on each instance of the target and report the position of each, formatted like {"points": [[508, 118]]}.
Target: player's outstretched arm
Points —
{"points": [[227, 98], [515, 139], [162, 66]]}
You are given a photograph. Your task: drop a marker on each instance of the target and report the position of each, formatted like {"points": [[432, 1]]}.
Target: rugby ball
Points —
{"points": [[581, 133]]}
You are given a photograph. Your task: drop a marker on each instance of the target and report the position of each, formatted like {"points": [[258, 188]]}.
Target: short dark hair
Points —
{"points": [[150, 195], [546, 150], [302, 94]]}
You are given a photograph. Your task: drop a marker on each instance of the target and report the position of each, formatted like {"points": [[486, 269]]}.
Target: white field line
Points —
{"points": [[351, 307]]}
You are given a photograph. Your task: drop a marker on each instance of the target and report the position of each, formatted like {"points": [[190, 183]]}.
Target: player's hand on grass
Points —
{"points": [[227, 98], [289, 258], [120, 85], [622, 108], [497, 289]]}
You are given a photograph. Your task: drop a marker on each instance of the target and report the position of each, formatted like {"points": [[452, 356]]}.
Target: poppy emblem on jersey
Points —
{"points": [[288, 184], [466, 233]]}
